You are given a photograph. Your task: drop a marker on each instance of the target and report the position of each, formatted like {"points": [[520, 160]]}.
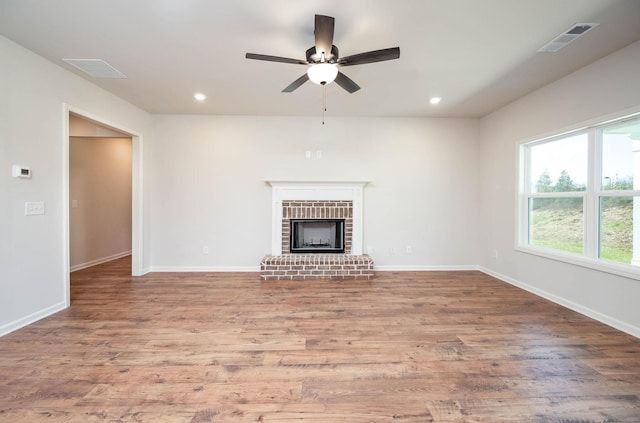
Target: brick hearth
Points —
{"points": [[316, 266]]}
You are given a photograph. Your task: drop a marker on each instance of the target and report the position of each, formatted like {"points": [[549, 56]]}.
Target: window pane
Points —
{"points": [[619, 164], [559, 166], [617, 227], [557, 223]]}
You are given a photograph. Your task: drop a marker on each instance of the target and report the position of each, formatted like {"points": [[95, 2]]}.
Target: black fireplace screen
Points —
{"points": [[317, 236]]}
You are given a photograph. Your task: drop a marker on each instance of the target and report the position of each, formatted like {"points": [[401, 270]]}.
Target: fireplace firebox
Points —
{"points": [[317, 236]]}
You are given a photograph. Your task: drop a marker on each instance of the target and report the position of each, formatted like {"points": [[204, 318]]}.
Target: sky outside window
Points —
{"points": [[566, 154]]}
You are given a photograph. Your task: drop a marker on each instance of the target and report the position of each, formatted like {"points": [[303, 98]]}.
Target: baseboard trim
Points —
{"points": [[211, 269], [257, 268], [99, 261], [444, 268], [32, 318], [596, 315]]}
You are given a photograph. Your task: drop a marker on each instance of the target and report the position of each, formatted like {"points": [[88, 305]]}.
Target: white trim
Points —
{"points": [[100, 261], [316, 191], [596, 315], [32, 318], [232, 269], [137, 206], [316, 183], [66, 249], [590, 206], [413, 268], [216, 269]]}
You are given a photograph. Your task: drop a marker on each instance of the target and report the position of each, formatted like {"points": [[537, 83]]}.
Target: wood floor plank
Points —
{"points": [[449, 347]]}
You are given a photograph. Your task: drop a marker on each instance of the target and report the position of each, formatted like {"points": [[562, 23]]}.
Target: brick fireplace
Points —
{"points": [[294, 200], [316, 210]]}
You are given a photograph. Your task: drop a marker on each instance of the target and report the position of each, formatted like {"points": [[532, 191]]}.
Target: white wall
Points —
{"points": [[32, 96], [208, 186], [607, 87], [100, 195]]}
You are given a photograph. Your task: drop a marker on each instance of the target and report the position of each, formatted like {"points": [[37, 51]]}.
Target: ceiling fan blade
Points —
{"points": [[347, 83], [370, 57], [324, 34], [295, 84], [275, 59]]}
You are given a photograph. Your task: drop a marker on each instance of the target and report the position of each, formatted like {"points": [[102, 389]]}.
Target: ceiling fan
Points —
{"points": [[323, 59]]}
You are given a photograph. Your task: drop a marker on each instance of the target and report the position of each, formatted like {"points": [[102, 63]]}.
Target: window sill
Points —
{"points": [[618, 269]]}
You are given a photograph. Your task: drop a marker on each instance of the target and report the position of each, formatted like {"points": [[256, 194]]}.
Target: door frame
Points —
{"points": [[137, 204]]}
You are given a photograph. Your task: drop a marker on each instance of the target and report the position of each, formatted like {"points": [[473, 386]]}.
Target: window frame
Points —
{"points": [[590, 258]]}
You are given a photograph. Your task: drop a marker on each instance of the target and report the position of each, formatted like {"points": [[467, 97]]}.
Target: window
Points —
{"points": [[618, 198], [557, 183], [580, 196]]}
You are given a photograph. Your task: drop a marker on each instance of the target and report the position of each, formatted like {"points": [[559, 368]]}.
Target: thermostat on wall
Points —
{"points": [[21, 171]]}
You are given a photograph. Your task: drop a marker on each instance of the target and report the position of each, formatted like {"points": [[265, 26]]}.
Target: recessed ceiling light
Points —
{"points": [[435, 100], [200, 96]]}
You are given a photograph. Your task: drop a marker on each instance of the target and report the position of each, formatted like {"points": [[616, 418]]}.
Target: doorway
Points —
{"points": [[101, 128], [100, 194]]}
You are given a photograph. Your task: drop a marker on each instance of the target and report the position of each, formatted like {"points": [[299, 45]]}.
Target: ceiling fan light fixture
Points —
{"points": [[322, 73]]}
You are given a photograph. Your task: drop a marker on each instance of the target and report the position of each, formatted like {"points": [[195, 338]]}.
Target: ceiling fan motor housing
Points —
{"points": [[314, 57]]}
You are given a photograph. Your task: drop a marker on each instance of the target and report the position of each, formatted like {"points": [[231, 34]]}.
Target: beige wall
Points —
{"points": [[208, 186], [33, 259], [606, 88], [100, 196]]}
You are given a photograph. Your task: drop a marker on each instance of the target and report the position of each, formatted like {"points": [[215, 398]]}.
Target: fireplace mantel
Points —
{"points": [[345, 190], [319, 183]]}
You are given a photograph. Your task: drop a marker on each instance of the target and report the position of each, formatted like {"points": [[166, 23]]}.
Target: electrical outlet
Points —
{"points": [[408, 249], [494, 254], [33, 207], [307, 154], [205, 250]]}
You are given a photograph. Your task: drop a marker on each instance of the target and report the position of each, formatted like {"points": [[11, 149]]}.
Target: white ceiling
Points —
{"points": [[477, 54]]}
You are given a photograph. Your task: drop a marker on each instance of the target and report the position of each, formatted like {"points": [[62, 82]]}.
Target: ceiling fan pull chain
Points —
{"points": [[324, 101], [324, 107]]}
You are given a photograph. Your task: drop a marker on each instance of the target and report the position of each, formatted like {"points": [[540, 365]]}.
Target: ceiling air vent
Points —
{"points": [[95, 67], [566, 37]]}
